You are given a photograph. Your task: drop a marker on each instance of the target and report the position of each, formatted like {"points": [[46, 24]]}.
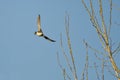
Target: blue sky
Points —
{"points": [[24, 56]]}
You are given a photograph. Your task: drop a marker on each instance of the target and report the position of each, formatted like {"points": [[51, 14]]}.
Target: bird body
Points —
{"points": [[39, 32]]}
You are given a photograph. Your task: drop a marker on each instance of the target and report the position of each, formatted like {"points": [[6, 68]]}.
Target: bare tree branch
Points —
{"points": [[86, 64], [96, 71], [103, 35], [63, 69], [69, 46], [66, 58]]}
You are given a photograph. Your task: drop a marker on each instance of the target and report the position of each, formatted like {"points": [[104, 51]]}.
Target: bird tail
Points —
{"points": [[48, 38]]}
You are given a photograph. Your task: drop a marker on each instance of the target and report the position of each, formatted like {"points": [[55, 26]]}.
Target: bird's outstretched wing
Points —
{"points": [[49, 39], [40, 30], [39, 23]]}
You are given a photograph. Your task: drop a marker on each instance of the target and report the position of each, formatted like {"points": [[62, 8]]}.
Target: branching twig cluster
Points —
{"points": [[104, 32], [70, 61], [108, 53]]}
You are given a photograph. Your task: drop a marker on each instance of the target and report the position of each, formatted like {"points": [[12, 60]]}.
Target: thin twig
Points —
{"points": [[97, 74], [110, 21], [63, 69], [69, 46], [103, 62], [66, 58]]}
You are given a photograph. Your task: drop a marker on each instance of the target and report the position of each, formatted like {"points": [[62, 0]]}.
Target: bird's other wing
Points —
{"points": [[49, 39], [39, 23]]}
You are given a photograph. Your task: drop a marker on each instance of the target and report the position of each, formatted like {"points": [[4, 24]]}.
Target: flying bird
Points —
{"points": [[39, 32]]}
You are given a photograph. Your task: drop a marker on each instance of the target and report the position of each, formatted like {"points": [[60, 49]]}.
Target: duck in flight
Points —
{"points": [[39, 32]]}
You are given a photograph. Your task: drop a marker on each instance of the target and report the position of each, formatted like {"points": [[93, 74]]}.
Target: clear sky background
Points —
{"points": [[24, 56]]}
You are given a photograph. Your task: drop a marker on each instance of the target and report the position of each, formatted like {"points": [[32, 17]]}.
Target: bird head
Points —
{"points": [[35, 33]]}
